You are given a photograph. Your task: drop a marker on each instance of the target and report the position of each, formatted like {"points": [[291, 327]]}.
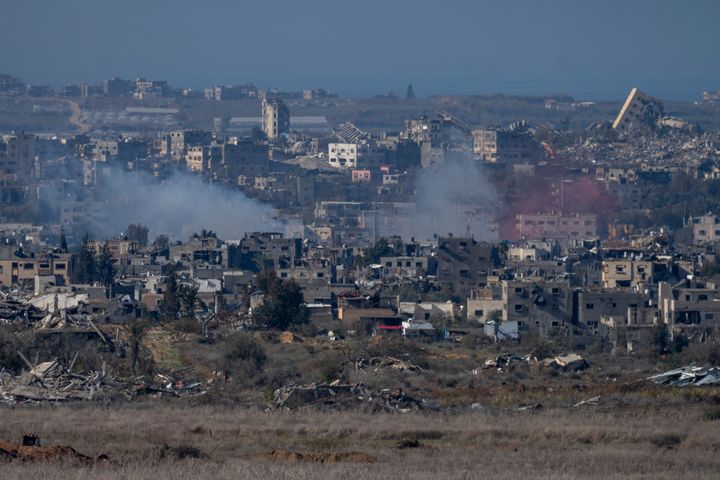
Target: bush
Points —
{"points": [[668, 440], [712, 415], [241, 356]]}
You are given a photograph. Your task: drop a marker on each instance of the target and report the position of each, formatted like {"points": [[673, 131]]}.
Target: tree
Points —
{"points": [[410, 93], [162, 241], [170, 305], [63, 241], [137, 233], [104, 266], [136, 329], [284, 303], [661, 339], [85, 263], [189, 299], [373, 253]]}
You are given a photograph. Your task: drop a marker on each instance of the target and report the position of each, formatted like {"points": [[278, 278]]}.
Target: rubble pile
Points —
{"points": [[386, 362], [506, 360], [671, 149], [13, 310], [343, 396], [50, 381], [571, 362], [53, 382], [688, 376]]}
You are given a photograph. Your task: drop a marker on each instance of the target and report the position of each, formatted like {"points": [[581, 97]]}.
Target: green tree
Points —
{"points": [[661, 339], [137, 233], [85, 267], [135, 331], [104, 266], [373, 253], [189, 299], [162, 241], [284, 303], [170, 305]]}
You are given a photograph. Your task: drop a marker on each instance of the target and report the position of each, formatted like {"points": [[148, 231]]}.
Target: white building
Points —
{"points": [[343, 155]]}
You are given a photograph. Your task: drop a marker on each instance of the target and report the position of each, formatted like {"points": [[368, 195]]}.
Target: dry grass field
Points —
{"points": [[171, 440]]}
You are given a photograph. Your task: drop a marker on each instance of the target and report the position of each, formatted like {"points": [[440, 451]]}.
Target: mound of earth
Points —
{"points": [[285, 456], [14, 451]]}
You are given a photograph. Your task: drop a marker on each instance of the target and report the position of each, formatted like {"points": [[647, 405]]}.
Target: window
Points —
{"points": [[555, 291], [589, 306], [479, 313], [59, 266], [28, 266], [518, 290], [702, 298], [518, 307], [709, 316]]}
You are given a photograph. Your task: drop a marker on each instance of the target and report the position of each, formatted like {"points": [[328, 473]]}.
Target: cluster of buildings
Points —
{"points": [[550, 260], [613, 294]]}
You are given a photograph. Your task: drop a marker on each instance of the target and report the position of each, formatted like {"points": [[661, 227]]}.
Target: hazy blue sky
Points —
{"points": [[589, 48]]}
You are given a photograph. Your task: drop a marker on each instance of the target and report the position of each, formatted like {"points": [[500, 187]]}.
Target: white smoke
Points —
{"points": [[456, 198], [177, 206]]}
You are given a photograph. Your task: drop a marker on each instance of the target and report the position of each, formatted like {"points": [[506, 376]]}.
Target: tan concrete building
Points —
{"points": [[638, 110], [275, 118], [626, 273], [14, 270], [706, 229], [556, 226]]}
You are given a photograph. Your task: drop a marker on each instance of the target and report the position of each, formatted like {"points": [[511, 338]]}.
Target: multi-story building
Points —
{"points": [[706, 229], [619, 273], [18, 269], [246, 158], [181, 140], [639, 110], [117, 87], [464, 263], [19, 158], [275, 118], [509, 145], [343, 155], [556, 226], [203, 158]]}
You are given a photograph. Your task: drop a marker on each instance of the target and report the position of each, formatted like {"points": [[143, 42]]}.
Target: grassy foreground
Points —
{"points": [[167, 440]]}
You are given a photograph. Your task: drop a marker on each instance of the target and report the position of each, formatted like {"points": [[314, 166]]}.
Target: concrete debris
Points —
{"points": [[337, 395], [688, 376], [506, 360], [571, 362], [387, 362], [588, 401], [54, 382], [530, 408], [289, 338]]}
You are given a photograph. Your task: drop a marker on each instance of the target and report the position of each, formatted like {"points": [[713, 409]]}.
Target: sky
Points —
{"points": [[590, 49]]}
